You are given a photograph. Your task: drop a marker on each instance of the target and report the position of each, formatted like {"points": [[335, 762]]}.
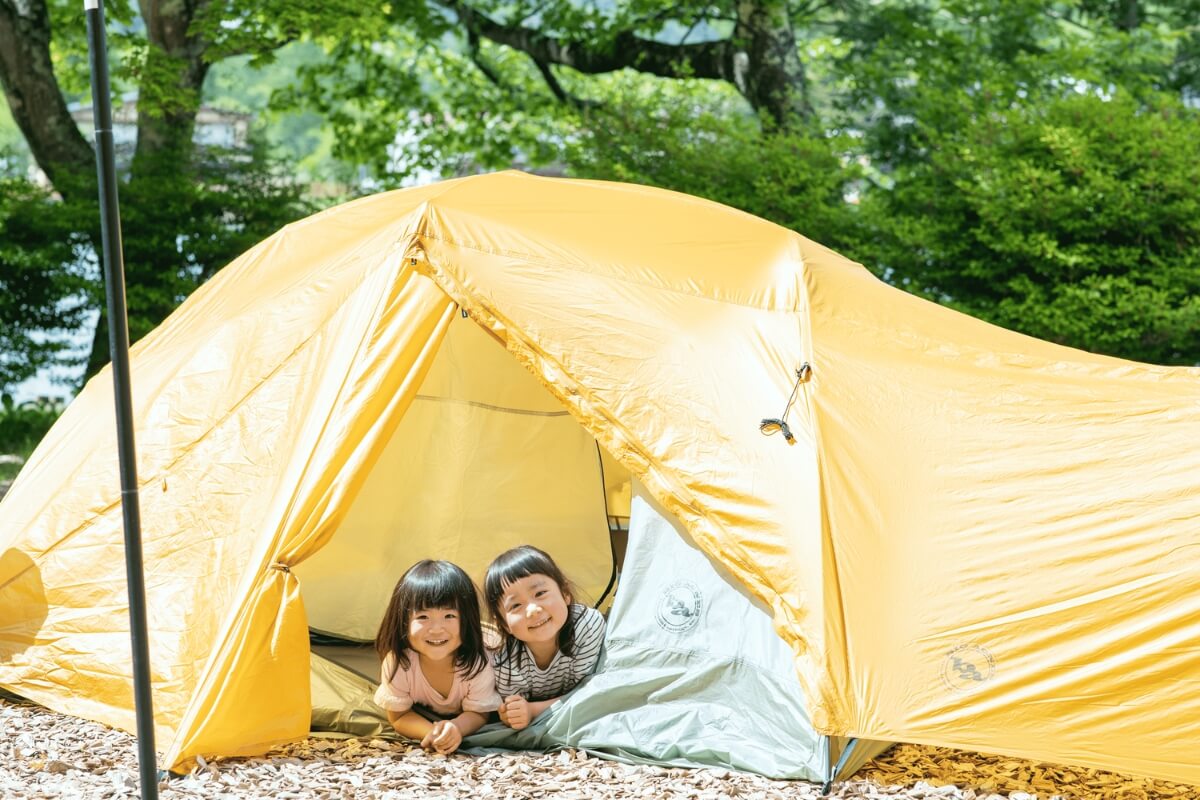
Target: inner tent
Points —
{"points": [[484, 459]]}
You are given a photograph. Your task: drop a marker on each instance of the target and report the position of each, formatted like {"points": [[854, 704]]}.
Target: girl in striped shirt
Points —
{"points": [[550, 643]]}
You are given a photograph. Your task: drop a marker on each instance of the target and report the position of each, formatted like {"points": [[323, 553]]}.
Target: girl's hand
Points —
{"points": [[444, 737], [515, 712]]}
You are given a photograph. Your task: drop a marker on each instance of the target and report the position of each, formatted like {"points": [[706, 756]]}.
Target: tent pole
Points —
{"points": [[833, 773], [118, 341], [827, 742]]}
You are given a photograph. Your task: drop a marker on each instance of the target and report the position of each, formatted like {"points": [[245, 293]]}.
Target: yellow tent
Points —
{"points": [[977, 539]]}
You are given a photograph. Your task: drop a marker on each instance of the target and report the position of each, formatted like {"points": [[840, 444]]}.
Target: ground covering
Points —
{"points": [[44, 754]]}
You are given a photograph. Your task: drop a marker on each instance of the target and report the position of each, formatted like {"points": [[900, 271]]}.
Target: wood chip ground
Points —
{"points": [[48, 755]]}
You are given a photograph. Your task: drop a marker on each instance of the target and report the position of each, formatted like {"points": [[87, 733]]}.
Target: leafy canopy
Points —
{"points": [[1077, 221]]}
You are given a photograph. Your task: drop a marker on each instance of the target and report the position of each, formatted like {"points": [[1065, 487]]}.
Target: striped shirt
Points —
{"points": [[520, 675]]}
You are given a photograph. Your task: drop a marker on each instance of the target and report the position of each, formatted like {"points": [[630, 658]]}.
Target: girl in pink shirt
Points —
{"points": [[431, 644]]}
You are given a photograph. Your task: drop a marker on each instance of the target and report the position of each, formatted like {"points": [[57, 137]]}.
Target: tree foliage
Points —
{"points": [[680, 137], [46, 278], [1027, 161], [186, 209], [484, 83], [22, 425], [1077, 221], [1033, 165]]}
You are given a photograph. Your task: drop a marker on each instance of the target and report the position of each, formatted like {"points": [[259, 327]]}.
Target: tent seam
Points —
{"points": [[807, 342], [684, 498], [533, 259]]}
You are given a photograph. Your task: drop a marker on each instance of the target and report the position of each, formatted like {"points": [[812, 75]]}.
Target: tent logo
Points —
{"points": [[679, 607], [967, 667]]}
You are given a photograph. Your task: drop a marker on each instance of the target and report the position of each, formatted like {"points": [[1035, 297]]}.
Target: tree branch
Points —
{"points": [[760, 58], [477, 60], [559, 92], [277, 43], [701, 60]]}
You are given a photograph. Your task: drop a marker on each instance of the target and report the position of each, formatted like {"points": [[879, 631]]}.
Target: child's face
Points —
{"points": [[535, 609], [435, 632]]}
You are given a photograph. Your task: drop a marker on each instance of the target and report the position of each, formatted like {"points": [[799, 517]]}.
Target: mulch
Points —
{"points": [[44, 754]]}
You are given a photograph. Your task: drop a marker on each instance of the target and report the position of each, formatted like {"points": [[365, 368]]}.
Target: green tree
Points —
{"points": [[783, 109], [1030, 165], [485, 83], [45, 291], [183, 214], [1076, 220], [678, 135]]}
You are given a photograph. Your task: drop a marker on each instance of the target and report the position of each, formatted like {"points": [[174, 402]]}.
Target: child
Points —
{"points": [[431, 644], [549, 643]]}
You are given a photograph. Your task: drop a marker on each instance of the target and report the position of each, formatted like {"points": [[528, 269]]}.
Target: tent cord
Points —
{"points": [[612, 549], [769, 426]]}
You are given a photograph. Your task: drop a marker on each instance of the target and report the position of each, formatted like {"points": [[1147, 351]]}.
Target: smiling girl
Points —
{"points": [[432, 649], [549, 644]]}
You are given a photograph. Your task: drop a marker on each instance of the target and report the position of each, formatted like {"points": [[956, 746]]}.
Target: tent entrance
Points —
{"points": [[484, 459]]}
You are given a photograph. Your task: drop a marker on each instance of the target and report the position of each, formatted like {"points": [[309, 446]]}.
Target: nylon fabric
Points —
{"points": [[1028, 534]]}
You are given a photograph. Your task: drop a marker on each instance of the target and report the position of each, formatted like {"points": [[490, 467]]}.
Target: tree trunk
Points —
{"points": [[1128, 15], [36, 102], [163, 155], [774, 79], [166, 133]]}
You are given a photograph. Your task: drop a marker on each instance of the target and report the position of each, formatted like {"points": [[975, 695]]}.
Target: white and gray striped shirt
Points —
{"points": [[520, 674]]}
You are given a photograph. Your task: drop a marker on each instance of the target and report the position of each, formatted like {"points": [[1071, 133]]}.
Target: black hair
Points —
{"points": [[433, 584], [509, 567]]}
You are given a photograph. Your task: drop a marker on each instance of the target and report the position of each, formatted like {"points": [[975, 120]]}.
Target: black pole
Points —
{"points": [[118, 342]]}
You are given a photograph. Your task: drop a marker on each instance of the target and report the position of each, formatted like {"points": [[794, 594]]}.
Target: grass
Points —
{"points": [[9, 471], [21, 428]]}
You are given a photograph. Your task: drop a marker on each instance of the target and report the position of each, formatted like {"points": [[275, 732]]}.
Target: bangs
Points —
{"points": [[427, 585], [438, 587], [510, 567], [513, 565]]}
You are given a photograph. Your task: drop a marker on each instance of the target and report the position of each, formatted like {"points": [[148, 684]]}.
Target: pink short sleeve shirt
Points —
{"points": [[407, 687]]}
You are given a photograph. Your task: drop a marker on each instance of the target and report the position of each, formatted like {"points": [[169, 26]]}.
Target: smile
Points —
{"points": [[436, 642], [539, 624]]}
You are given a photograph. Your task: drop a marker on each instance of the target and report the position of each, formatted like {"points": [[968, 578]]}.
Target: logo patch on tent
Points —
{"points": [[679, 607], [967, 667]]}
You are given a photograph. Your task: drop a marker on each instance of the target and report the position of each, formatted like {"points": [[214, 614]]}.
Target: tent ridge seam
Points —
{"points": [[785, 308], [529, 353]]}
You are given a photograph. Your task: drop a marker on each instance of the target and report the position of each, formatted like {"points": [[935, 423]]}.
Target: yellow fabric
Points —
{"points": [[255, 404], [1024, 508], [977, 539]]}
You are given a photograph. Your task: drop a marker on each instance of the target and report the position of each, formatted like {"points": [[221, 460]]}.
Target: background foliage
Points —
{"points": [[1076, 221], [21, 427], [1033, 163]]}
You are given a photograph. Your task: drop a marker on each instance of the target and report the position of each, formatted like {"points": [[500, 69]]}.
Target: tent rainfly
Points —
{"points": [[974, 538]]}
